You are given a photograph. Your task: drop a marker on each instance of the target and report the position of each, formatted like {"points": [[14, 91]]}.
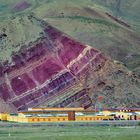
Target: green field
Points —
{"points": [[68, 132]]}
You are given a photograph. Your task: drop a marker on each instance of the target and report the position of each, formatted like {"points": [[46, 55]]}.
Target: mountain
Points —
{"points": [[92, 22], [52, 69], [42, 64], [57, 71]]}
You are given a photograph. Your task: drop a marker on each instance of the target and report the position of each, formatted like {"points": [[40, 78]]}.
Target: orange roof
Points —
{"points": [[56, 109]]}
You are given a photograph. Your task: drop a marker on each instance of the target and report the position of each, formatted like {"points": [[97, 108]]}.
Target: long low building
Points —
{"points": [[34, 115]]}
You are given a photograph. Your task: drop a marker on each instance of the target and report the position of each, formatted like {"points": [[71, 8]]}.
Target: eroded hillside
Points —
{"points": [[56, 70], [91, 22], [43, 66]]}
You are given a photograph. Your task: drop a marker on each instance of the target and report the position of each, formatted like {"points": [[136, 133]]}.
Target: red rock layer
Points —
{"points": [[50, 71]]}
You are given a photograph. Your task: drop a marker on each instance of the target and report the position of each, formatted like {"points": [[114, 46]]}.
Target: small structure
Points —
{"points": [[3, 116]]}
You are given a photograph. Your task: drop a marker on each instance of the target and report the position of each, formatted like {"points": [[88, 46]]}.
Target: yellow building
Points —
{"points": [[56, 119], [120, 114], [34, 115], [45, 115], [3, 116], [56, 115]]}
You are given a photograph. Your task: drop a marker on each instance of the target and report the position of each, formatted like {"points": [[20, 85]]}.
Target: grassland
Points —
{"points": [[69, 132]]}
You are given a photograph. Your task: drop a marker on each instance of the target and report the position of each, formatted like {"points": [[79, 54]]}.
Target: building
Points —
{"points": [[55, 115], [42, 115]]}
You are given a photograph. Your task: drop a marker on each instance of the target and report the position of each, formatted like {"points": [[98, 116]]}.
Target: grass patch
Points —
{"points": [[88, 20], [69, 133], [135, 62]]}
